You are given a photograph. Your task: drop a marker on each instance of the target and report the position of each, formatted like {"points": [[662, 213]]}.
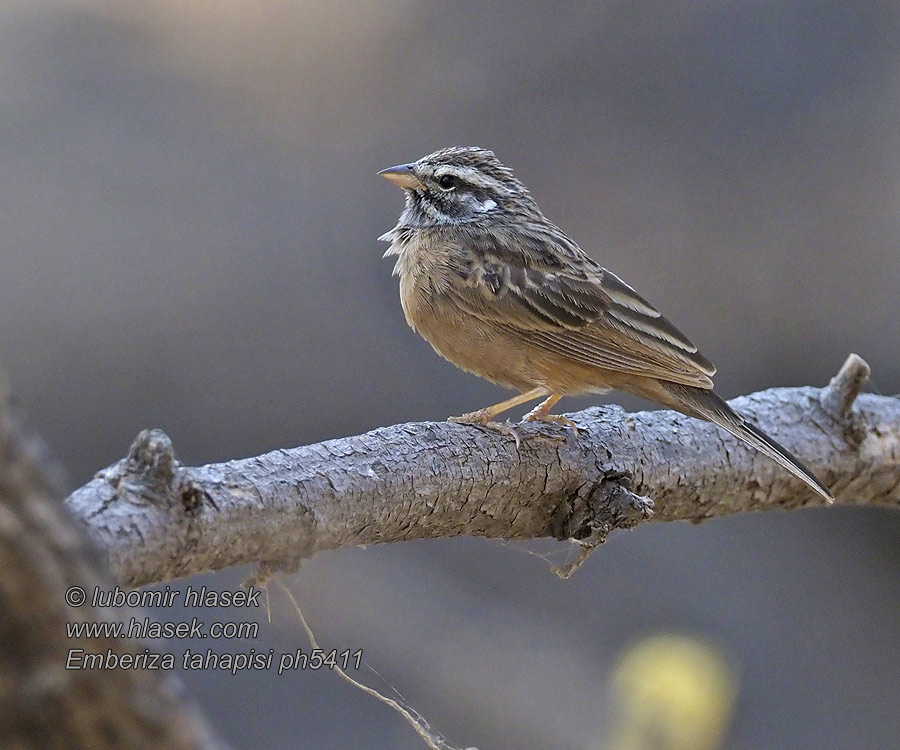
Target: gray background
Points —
{"points": [[188, 214]]}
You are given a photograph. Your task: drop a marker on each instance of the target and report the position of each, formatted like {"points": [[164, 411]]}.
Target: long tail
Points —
{"points": [[705, 404]]}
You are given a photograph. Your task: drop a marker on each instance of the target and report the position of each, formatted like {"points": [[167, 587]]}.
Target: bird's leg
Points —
{"points": [[485, 417], [540, 413]]}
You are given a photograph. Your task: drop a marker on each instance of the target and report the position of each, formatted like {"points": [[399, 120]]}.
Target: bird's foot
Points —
{"points": [[484, 418], [536, 415]]}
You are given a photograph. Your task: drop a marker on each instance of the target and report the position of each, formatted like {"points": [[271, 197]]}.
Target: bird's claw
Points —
{"points": [[483, 418], [551, 419]]}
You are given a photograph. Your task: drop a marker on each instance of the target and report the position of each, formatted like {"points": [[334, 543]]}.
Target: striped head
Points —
{"points": [[460, 185]]}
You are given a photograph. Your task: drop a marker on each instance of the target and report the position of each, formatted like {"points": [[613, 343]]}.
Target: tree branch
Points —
{"points": [[160, 520]]}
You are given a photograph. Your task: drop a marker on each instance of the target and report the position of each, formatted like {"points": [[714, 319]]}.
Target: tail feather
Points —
{"points": [[707, 405]]}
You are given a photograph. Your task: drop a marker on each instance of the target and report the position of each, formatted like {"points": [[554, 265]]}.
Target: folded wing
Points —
{"points": [[574, 309]]}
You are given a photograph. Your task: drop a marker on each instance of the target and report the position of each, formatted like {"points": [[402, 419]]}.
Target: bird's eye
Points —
{"points": [[447, 181]]}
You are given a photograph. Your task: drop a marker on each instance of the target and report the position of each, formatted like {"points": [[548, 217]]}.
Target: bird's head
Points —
{"points": [[459, 185]]}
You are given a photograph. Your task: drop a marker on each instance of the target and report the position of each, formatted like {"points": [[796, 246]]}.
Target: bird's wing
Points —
{"points": [[540, 287]]}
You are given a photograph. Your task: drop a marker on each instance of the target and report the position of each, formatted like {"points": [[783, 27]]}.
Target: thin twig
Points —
{"points": [[422, 728]]}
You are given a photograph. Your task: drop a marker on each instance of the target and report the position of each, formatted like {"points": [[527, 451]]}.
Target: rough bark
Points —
{"points": [[160, 520], [43, 552]]}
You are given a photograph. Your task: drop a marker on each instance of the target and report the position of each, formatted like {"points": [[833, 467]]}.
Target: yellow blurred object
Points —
{"points": [[672, 693]]}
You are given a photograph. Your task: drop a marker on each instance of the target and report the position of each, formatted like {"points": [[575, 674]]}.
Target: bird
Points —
{"points": [[502, 292]]}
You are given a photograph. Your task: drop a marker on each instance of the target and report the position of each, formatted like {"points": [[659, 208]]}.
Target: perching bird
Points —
{"points": [[502, 292]]}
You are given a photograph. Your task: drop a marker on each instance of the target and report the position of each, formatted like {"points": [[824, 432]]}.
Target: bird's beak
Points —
{"points": [[403, 176]]}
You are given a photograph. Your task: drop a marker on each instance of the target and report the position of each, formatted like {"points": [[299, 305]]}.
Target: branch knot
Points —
{"points": [[840, 393], [151, 474], [592, 512]]}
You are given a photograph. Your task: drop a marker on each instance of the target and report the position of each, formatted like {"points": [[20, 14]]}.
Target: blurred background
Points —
{"points": [[188, 218]]}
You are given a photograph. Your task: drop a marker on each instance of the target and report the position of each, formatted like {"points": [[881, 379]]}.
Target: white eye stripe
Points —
{"points": [[470, 176], [463, 173]]}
